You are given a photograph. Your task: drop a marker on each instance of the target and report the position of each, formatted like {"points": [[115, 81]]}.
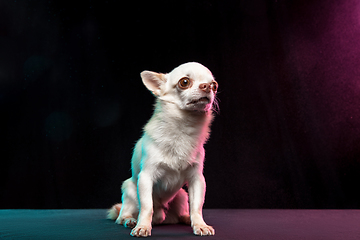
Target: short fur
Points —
{"points": [[170, 154]]}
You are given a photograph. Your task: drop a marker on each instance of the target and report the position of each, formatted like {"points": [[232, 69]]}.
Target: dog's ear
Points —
{"points": [[153, 81]]}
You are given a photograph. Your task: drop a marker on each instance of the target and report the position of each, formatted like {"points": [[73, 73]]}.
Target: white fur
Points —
{"points": [[170, 154]]}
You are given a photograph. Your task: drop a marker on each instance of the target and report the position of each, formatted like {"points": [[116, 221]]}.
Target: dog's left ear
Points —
{"points": [[153, 81]]}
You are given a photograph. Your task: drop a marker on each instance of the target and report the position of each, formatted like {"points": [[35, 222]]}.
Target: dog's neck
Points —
{"points": [[169, 119]]}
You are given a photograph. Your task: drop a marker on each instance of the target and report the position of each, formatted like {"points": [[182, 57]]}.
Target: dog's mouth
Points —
{"points": [[203, 100]]}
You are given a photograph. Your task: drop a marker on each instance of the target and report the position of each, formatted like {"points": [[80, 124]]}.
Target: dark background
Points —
{"points": [[72, 102]]}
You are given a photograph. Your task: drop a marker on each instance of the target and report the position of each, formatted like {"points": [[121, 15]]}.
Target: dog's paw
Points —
{"points": [[141, 231], [127, 222], [203, 230]]}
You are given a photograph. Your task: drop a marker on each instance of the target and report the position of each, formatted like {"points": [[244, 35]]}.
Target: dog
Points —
{"points": [[170, 154]]}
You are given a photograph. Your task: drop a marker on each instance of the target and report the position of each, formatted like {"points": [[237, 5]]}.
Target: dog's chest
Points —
{"points": [[176, 140], [179, 147], [169, 178]]}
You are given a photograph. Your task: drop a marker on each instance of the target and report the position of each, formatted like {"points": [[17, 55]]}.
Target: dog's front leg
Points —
{"points": [[145, 186], [196, 200]]}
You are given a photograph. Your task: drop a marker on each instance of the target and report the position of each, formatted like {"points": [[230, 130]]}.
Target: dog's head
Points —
{"points": [[191, 86]]}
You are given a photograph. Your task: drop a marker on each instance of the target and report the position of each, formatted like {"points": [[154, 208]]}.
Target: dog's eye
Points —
{"points": [[184, 83], [214, 86]]}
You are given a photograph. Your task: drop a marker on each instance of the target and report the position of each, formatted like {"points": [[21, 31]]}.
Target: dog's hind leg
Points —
{"points": [[130, 207], [178, 209]]}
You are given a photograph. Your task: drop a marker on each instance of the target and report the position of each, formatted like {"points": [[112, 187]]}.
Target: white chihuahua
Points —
{"points": [[170, 154]]}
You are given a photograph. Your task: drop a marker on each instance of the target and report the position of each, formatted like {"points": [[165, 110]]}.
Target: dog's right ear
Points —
{"points": [[153, 81]]}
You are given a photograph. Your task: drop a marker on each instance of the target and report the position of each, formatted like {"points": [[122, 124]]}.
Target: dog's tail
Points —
{"points": [[114, 211]]}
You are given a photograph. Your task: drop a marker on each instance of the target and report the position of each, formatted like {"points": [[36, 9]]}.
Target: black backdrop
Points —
{"points": [[72, 102]]}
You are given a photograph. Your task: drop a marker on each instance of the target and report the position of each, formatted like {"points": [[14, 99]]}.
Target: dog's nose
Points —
{"points": [[205, 87]]}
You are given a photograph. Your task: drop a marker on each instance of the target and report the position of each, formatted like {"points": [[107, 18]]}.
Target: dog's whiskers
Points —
{"points": [[216, 107]]}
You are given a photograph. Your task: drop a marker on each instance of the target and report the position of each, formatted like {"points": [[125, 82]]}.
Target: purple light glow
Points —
{"points": [[326, 52]]}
